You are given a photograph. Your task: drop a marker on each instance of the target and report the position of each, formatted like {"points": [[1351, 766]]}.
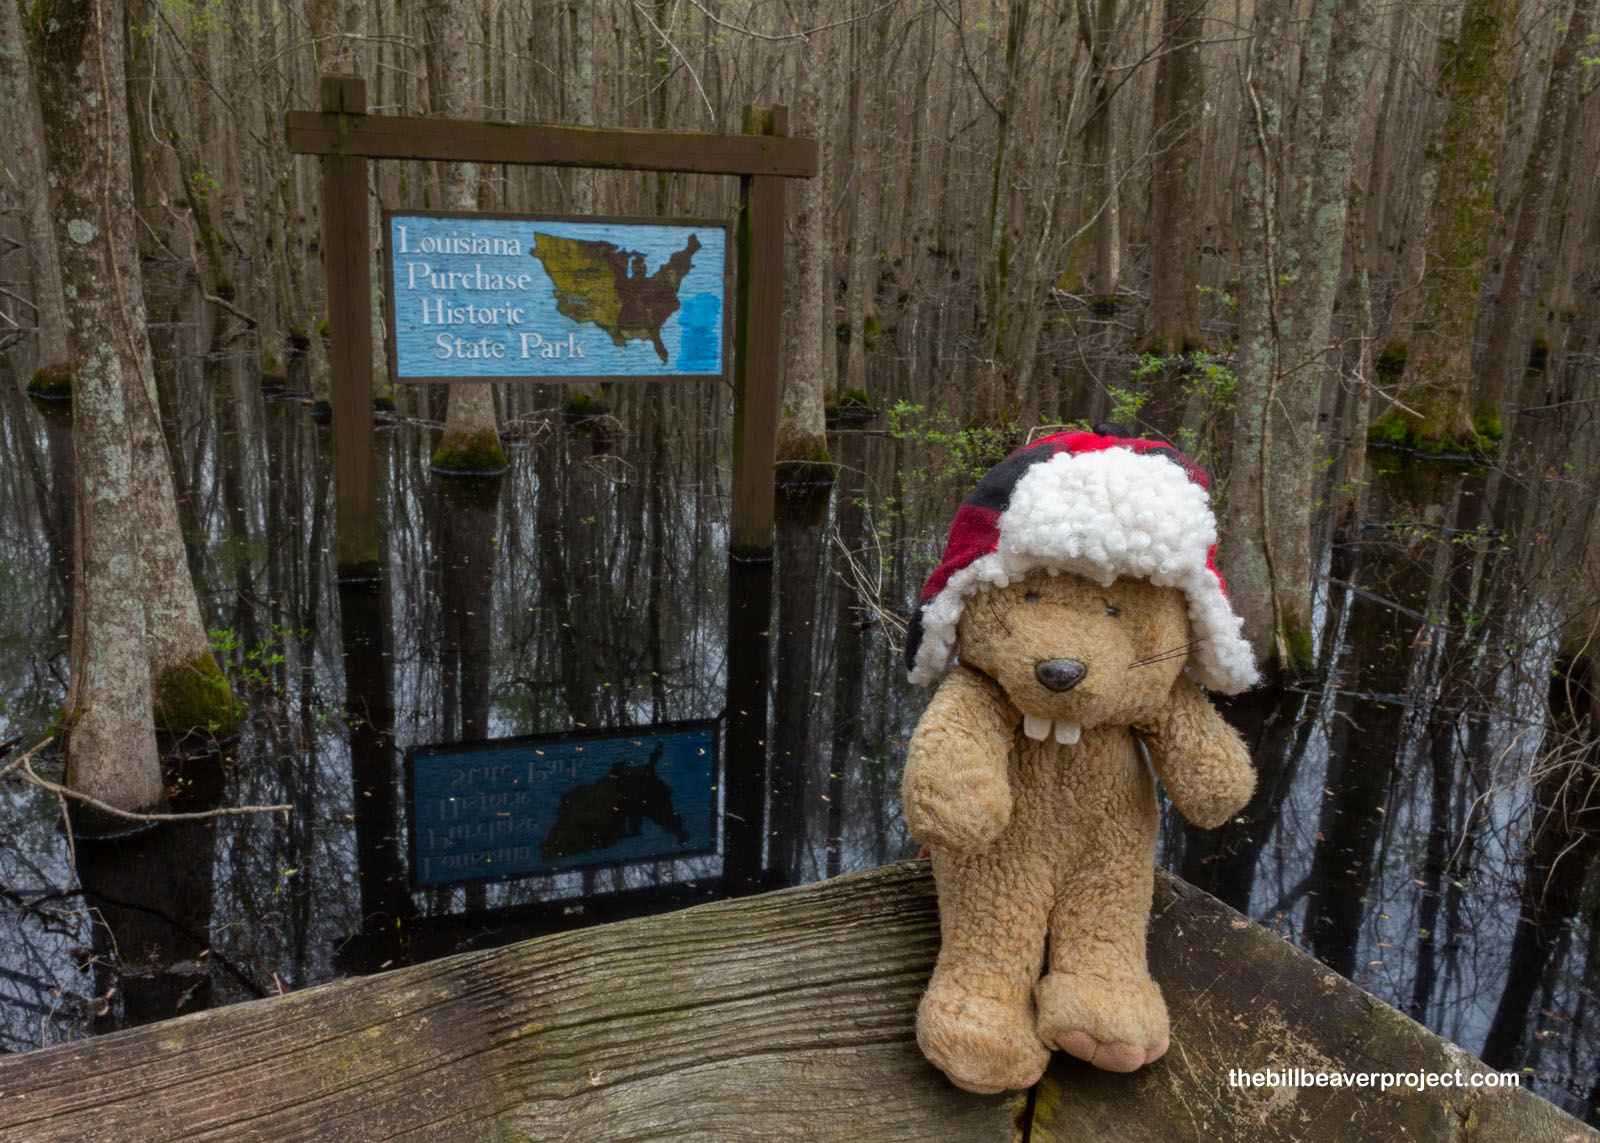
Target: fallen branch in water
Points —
{"points": [[28, 775]]}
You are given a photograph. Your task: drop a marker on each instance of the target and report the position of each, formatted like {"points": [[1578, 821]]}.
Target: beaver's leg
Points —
{"points": [[1098, 1001], [976, 1022]]}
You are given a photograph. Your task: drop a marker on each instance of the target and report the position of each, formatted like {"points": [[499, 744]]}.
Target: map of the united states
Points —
{"points": [[600, 282]]}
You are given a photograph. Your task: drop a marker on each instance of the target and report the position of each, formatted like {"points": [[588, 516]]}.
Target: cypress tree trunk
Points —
{"points": [[111, 746], [997, 396], [1295, 216], [471, 441], [1474, 75], [52, 367], [802, 446], [1175, 139], [1504, 345], [591, 398], [183, 683], [581, 88], [188, 690], [1246, 525], [1099, 144], [860, 271]]}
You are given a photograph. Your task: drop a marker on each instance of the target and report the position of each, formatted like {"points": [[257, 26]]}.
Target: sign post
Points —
{"points": [[347, 139], [349, 269], [759, 347]]}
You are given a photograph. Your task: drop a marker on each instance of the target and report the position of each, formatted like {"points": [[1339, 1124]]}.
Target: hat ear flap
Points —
{"points": [[913, 638]]}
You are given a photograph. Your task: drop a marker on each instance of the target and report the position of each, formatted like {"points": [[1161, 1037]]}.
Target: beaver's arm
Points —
{"points": [[1199, 757], [956, 792]]}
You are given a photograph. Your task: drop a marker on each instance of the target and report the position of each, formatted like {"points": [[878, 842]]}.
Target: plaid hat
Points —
{"points": [[1096, 504]]}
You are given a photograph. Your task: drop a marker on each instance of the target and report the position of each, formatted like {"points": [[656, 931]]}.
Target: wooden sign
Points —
{"points": [[493, 296], [549, 803]]}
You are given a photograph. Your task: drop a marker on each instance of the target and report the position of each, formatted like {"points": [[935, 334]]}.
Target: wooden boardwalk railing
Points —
{"points": [[786, 1016]]}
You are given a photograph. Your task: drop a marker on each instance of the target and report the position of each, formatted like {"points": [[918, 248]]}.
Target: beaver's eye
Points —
{"points": [[1110, 610], [1031, 597]]}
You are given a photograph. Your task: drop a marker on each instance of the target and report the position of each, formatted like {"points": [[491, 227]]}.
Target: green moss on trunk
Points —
{"points": [[802, 457], [1295, 633], [195, 697], [51, 382], [581, 406], [471, 454], [1442, 436]]}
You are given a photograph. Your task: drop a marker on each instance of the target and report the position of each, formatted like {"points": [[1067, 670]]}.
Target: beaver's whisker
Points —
{"points": [[994, 614], [1163, 656]]}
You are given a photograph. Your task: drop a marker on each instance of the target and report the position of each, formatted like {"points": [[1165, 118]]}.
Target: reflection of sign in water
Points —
{"points": [[541, 805], [483, 295], [597, 816]]}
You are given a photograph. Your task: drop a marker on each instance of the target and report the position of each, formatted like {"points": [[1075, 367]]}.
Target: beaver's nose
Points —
{"points": [[1060, 674]]}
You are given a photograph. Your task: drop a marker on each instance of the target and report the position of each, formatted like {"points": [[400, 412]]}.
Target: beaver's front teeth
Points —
{"points": [[1039, 729]]}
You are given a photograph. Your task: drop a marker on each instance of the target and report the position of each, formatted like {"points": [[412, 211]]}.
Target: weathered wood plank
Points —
{"points": [[612, 148], [783, 1016], [1240, 997]]}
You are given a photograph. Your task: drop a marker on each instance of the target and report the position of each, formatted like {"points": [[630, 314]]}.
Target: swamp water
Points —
{"points": [[589, 588]]}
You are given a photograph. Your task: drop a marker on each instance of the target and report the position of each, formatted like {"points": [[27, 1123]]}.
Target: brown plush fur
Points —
{"points": [[1041, 847]]}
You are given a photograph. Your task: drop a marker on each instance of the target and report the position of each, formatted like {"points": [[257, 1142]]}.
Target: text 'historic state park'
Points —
{"points": [[474, 295]]}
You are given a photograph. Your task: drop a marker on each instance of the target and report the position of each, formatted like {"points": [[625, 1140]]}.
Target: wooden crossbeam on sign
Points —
{"points": [[606, 148]]}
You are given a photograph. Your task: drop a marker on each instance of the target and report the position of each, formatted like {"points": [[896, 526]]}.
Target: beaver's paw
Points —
{"points": [[1118, 1024], [984, 1045], [964, 815]]}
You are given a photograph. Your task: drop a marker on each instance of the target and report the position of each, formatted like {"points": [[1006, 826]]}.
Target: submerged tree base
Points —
{"points": [[1399, 429], [195, 698], [803, 460], [272, 371], [480, 490], [852, 407], [804, 473], [360, 573], [51, 382], [582, 406], [1171, 343], [470, 454], [802, 503]]}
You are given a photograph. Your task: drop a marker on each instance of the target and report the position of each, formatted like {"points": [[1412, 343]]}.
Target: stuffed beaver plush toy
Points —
{"points": [[1081, 599]]}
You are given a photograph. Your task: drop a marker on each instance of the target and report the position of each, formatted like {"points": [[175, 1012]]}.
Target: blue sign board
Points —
{"points": [[520, 806], [488, 296]]}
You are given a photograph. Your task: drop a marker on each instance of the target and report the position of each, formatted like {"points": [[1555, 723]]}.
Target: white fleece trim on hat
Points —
{"points": [[1102, 515]]}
